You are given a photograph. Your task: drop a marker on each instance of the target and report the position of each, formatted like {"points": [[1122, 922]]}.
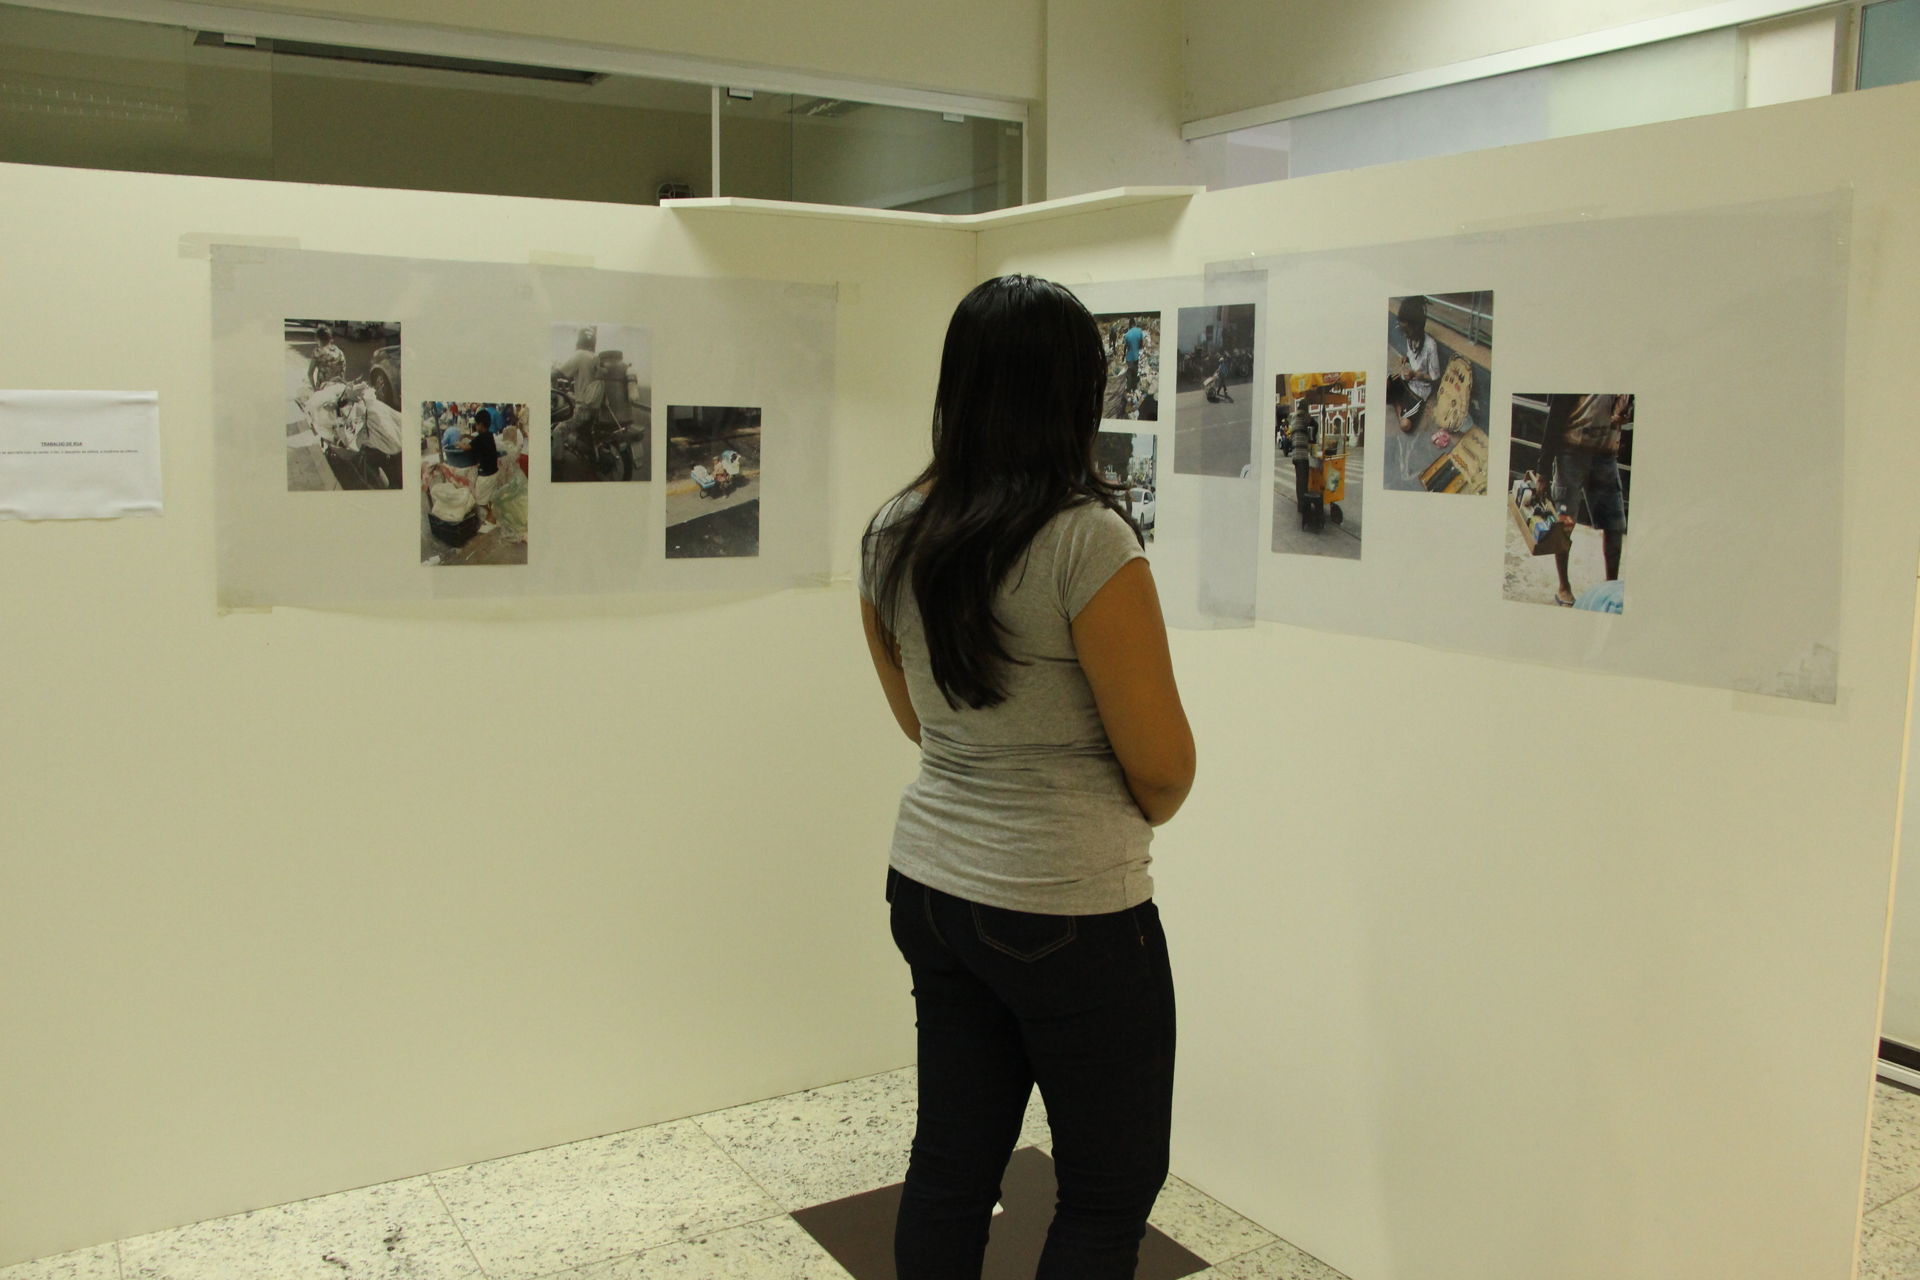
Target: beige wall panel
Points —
{"points": [[1462, 1000], [1242, 54], [1113, 96], [302, 901]]}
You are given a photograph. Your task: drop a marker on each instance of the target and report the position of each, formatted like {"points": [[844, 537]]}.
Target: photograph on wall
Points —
{"points": [[1127, 458], [1132, 343], [602, 402], [1569, 476], [344, 429], [1439, 383], [1319, 463], [713, 481], [1213, 405], [474, 473]]}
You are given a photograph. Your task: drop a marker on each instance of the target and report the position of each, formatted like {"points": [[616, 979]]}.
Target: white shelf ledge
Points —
{"points": [[1118, 197]]}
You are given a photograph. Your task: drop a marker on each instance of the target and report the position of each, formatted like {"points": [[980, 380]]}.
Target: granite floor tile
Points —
{"points": [[102, 1262], [393, 1231], [1204, 1225], [1893, 1160], [1886, 1256], [1034, 1130], [771, 1249], [1278, 1261], [566, 1207], [1899, 1217], [823, 1144]]}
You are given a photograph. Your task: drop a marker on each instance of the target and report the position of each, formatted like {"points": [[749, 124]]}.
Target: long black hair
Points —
{"points": [[1023, 378]]}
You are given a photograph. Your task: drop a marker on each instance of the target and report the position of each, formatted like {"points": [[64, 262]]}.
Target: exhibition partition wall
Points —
{"points": [[1493, 969], [300, 900], [1493, 963]]}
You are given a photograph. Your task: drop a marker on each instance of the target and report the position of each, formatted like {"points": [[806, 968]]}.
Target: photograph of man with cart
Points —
{"points": [[1318, 452], [341, 432], [1439, 380], [601, 402], [1569, 475]]}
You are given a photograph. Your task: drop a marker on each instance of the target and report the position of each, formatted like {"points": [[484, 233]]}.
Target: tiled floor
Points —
{"points": [[705, 1198], [1890, 1231]]}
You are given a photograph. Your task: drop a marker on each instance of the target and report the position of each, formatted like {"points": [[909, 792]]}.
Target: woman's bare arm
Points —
{"points": [[1121, 639], [886, 664]]}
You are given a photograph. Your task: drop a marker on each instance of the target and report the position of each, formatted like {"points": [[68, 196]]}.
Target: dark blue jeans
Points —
{"points": [[1081, 1006]]}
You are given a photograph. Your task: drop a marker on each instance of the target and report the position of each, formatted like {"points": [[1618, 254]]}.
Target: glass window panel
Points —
{"points": [[115, 94], [99, 93], [877, 157], [756, 146], [1889, 43], [611, 138], [839, 151]]}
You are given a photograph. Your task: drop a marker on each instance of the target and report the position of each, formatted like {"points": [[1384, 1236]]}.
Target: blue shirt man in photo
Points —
{"points": [[1135, 337]]}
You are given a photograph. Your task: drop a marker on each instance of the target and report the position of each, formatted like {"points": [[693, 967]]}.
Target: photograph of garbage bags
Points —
{"points": [[713, 481], [342, 415], [1319, 450], [1568, 480], [601, 402], [473, 483], [1132, 343]]}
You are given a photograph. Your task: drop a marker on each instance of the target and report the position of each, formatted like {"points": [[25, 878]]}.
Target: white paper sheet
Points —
{"points": [[79, 455]]}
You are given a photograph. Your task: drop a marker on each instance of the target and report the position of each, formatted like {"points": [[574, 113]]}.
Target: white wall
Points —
{"points": [[1242, 54], [1457, 1005], [301, 901], [1900, 1012], [1113, 90], [1793, 58]]}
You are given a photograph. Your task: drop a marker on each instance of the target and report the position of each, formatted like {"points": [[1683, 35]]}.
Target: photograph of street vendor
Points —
{"points": [[713, 481], [602, 402], [1132, 342], [1212, 423], [342, 429], [1569, 475], [1318, 449], [473, 483], [1439, 378]]}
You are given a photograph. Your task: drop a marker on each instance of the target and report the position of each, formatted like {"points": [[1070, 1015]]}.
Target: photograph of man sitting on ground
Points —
{"points": [[713, 481]]}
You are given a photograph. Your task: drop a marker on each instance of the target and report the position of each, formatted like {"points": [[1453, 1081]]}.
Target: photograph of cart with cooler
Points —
{"points": [[1319, 434]]}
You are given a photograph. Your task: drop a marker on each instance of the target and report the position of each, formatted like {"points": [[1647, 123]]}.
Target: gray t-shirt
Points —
{"points": [[1023, 805]]}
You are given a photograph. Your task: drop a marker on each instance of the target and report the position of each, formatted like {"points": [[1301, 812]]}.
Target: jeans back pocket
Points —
{"points": [[1025, 935]]}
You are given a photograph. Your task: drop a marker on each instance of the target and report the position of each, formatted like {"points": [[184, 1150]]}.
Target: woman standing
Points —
{"points": [[1017, 635]]}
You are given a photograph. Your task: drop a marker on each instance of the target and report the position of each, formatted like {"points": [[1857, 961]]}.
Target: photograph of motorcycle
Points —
{"points": [[600, 403]]}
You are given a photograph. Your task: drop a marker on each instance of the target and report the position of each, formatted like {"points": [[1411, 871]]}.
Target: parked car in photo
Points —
{"points": [[368, 330], [1140, 504], [383, 375]]}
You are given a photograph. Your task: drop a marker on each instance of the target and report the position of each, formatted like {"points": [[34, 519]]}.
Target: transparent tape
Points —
{"points": [[1725, 326], [1205, 526], [481, 333]]}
